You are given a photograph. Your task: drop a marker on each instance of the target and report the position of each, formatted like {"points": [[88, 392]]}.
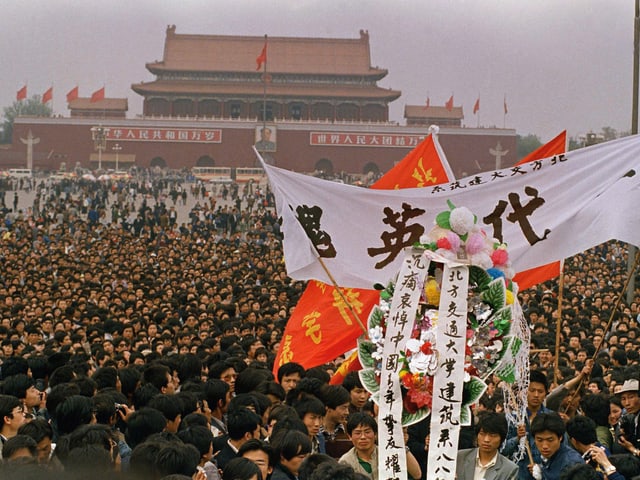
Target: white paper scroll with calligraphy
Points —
{"points": [[391, 451], [449, 377]]}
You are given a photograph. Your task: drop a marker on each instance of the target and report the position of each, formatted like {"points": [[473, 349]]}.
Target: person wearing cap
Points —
{"points": [[629, 437]]}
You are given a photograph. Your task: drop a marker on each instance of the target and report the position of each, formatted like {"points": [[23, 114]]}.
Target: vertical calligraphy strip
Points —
{"points": [[449, 378], [392, 461]]}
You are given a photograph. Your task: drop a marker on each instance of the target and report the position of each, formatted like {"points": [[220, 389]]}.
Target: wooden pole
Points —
{"points": [[559, 322]]}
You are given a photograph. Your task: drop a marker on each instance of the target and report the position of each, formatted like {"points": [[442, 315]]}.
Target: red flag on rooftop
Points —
{"points": [[534, 276], [72, 95], [506, 110], [48, 95], [449, 104], [262, 58], [427, 104], [22, 93], [323, 317], [97, 95], [476, 107]]}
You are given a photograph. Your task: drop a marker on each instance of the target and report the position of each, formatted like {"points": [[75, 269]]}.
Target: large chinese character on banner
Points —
{"points": [[442, 344]]}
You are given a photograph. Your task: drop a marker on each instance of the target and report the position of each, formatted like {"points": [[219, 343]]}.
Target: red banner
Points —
{"points": [[191, 135]]}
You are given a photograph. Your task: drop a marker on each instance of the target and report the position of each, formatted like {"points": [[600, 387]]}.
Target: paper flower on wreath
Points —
{"points": [[490, 346]]}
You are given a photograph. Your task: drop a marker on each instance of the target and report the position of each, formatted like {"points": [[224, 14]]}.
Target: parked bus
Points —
{"points": [[245, 174], [212, 174]]}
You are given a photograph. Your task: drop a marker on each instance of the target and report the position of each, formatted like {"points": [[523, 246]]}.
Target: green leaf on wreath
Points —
{"points": [[495, 294], [442, 220], [365, 349], [465, 415], [473, 390], [502, 320], [507, 373], [369, 380], [411, 418], [515, 346], [479, 277], [375, 317]]}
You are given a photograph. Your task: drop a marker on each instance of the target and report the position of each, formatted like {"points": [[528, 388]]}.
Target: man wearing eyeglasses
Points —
{"points": [[12, 418]]}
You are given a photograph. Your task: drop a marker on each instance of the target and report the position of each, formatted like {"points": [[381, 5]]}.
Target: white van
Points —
{"points": [[20, 172]]}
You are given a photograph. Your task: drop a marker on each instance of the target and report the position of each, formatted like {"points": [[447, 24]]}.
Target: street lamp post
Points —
{"points": [[99, 136], [116, 148]]}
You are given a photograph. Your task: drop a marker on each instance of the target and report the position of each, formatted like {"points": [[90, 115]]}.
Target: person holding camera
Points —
{"points": [[581, 431], [629, 437]]}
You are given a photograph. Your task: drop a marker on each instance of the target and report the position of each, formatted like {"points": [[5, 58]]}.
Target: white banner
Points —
{"points": [[392, 460], [545, 211], [451, 336]]}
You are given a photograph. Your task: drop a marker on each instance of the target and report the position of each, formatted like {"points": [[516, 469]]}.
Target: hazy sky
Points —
{"points": [[562, 64]]}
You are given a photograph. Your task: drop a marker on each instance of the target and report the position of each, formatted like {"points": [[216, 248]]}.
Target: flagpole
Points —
{"points": [[559, 322], [634, 130], [264, 88]]}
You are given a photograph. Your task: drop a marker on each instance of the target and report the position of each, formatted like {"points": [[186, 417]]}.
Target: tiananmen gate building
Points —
{"points": [[315, 104]]}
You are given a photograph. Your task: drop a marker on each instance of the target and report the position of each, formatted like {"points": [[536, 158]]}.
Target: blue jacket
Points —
{"points": [[563, 458]]}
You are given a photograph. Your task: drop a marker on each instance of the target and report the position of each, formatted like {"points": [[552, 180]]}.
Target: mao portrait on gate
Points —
{"points": [[265, 138]]}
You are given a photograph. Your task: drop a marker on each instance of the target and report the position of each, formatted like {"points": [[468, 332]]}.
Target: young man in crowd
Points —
{"points": [[485, 461], [548, 432]]}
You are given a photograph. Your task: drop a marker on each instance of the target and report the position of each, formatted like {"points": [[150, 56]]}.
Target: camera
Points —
{"points": [[119, 407]]}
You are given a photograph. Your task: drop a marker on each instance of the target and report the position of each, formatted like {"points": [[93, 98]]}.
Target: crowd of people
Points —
{"points": [[139, 322]]}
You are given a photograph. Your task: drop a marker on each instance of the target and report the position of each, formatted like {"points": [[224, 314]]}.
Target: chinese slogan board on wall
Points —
{"points": [[346, 139], [191, 135]]}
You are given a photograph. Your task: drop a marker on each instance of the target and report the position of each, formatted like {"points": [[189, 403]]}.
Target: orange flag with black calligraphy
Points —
{"points": [[534, 276], [322, 327]]}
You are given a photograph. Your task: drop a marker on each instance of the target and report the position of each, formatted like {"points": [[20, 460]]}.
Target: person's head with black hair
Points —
{"points": [[491, 424], [580, 471], [40, 430], [242, 425], [306, 386], [170, 407], [361, 420], [289, 374], [320, 373], [23, 387], [88, 387], [143, 458], [290, 446], [260, 453], [310, 464], [548, 430], [597, 385], [62, 374], [331, 471], [250, 378], [201, 438], [216, 393], [14, 365], [626, 465], [143, 423], [143, 395], [273, 390], [19, 446], [106, 377], [538, 389], [597, 408], [241, 469], [105, 407], [581, 431], [85, 460], [226, 371], [357, 393], [192, 420], [176, 458], [311, 411], [159, 376], [189, 368], [72, 412]]}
